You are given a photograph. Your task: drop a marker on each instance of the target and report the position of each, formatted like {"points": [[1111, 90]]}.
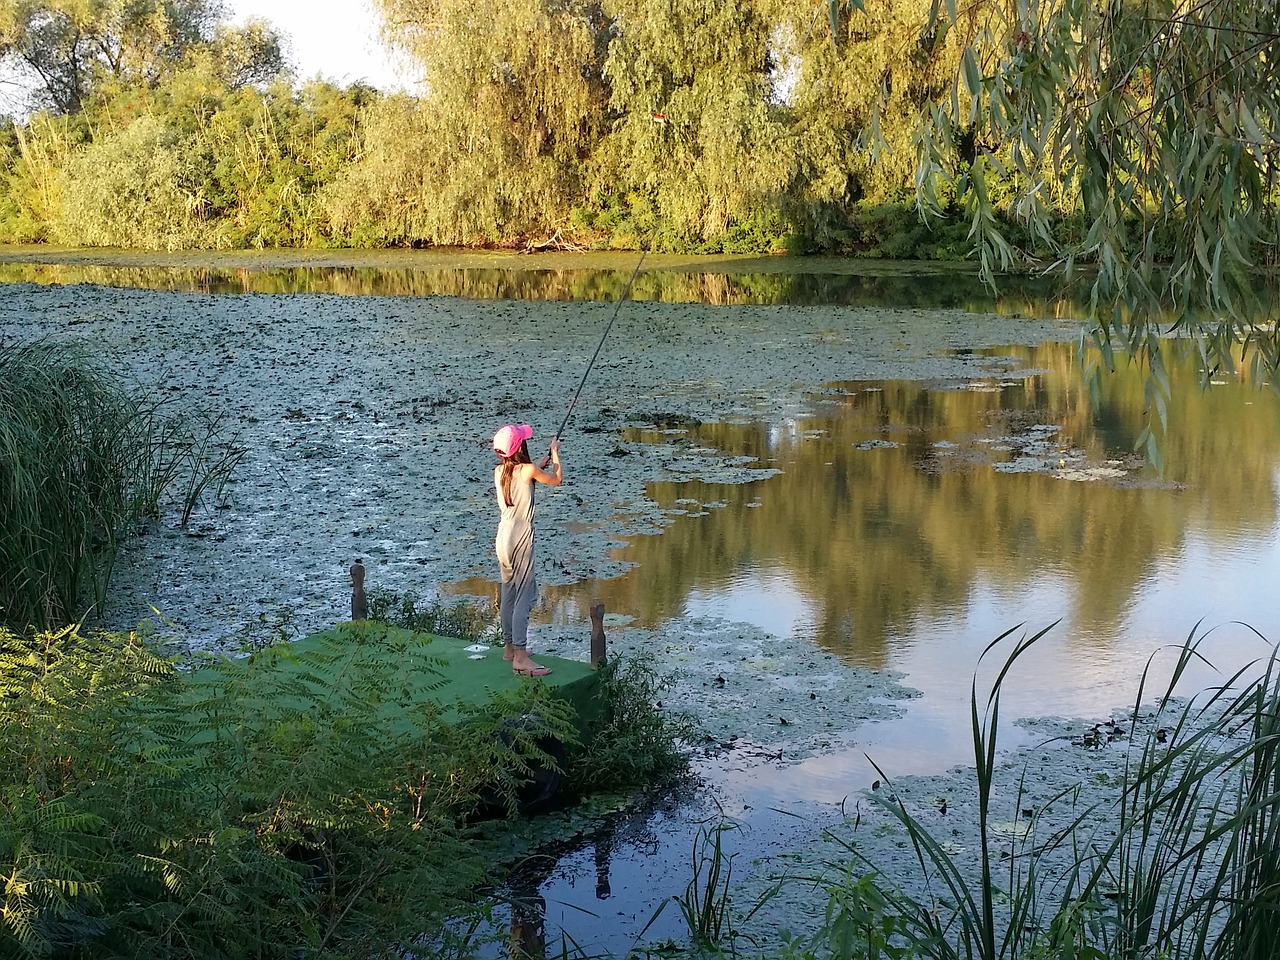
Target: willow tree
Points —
{"points": [[1158, 122], [513, 102], [857, 86], [130, 188], [700, 143], [71, 46]]}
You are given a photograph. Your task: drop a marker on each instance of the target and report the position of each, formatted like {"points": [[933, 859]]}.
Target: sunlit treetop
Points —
{"points": [[72, 48]]}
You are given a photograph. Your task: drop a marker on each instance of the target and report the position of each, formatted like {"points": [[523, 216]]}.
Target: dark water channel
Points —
{"points": [[909, 524]]}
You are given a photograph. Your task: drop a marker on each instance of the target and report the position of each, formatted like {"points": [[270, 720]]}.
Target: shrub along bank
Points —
{"points": [[625, 124]]}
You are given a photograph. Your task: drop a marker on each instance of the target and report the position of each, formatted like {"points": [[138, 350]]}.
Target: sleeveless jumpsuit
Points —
{"points": [[518, 589]]}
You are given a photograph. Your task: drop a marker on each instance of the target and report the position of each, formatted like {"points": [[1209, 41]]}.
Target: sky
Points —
{"points": [[336, 39]]}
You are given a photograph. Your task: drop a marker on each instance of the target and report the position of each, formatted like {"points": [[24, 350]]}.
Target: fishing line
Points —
{"points": [[626, 292]]}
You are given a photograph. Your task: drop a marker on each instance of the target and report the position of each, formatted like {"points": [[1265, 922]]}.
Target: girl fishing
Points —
{"points": [[513, 479]]}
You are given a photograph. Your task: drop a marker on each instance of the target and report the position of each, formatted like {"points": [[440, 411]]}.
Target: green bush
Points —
{"points": [[640, 743], [231, 810], [134, 188]]}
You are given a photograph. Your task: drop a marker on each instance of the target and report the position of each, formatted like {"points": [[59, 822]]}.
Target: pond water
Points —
{"points": [[665, 278], [912, 523], [898, 524]]}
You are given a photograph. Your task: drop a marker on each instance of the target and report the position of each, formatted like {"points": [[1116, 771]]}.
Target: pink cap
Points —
{"points": [[508, 439]]}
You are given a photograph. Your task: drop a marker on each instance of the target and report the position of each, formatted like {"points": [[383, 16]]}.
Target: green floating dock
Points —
{"points": [[338, 663]]}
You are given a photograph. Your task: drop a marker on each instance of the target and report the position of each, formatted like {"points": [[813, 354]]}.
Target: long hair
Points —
{"points": [[509, 467]]}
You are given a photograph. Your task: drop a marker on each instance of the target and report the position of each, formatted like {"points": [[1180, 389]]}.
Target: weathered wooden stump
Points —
{"points": [[597, 636], [359, 605]]}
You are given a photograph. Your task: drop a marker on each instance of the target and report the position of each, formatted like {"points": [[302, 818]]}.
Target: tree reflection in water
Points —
{"points": [[712, 281], [901, 501]]}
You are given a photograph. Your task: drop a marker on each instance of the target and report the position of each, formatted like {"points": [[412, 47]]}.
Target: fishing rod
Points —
{"points": [[626, 292], [660, 119]]}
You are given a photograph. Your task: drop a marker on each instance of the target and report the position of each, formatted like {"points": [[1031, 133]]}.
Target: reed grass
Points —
{"points": [[83, 460], [705, 904], [1187, 866]]}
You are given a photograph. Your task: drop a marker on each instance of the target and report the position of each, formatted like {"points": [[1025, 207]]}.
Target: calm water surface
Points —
{"points": [[905, 532]]}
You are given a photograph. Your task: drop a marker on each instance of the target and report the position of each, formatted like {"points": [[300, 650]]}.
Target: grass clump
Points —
{"points": [[639, 742], [83, 460], [464, 619]]}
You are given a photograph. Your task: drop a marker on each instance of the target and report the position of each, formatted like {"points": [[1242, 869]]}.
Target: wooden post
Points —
{"points": [[597, 636], [359, 606]]}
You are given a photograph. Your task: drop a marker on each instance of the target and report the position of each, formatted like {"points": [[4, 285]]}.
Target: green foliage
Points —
{"points": [[686, 127], [84, 461], [705, 902], [696, 135], [268, 158], [640, 742], [74, 46], [291, 802], [134, 188], [464, 619], [1060, 133], [31, 180], [893, 231], [199, 162], [513, 105], [1160, 130], [383, 198], [9, 156], [860, 921]]}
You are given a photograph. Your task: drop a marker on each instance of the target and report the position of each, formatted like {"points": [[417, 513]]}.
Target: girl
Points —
{"points": [[513, 478]]}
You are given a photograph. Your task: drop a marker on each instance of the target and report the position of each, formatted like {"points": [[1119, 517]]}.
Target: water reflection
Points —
{"points": [[715, 281], [905, 518]]}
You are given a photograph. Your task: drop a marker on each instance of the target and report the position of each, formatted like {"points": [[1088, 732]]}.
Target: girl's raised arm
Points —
{"points": [[555, 476]]}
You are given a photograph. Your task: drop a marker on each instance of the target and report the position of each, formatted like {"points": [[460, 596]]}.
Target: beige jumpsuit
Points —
{"points": [[514, 545]]}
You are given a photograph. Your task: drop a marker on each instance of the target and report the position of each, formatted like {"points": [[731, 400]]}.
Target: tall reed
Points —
{"points": [[1187, 864], [83, 459], [705, 904]]}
